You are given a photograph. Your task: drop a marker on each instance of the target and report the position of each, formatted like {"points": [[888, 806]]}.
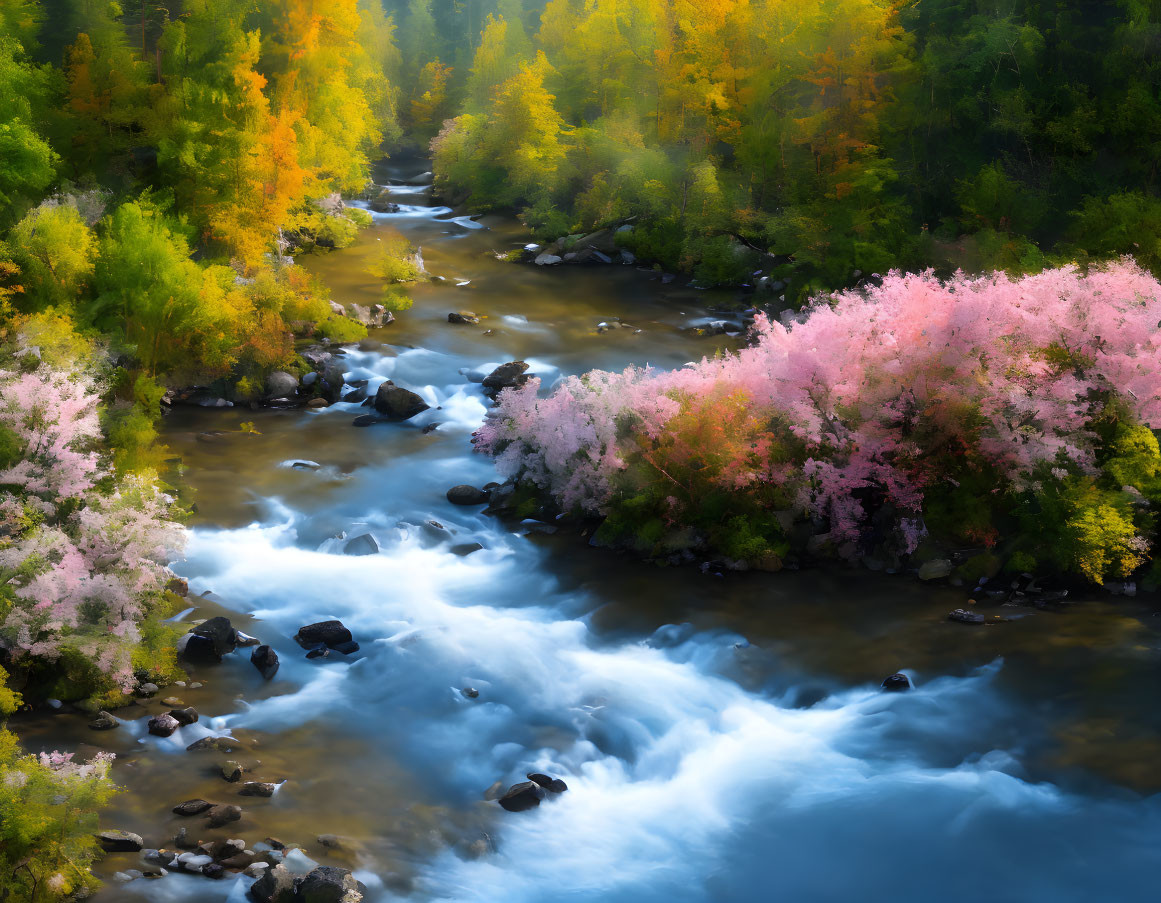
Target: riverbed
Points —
{"points": [[723, 736]]}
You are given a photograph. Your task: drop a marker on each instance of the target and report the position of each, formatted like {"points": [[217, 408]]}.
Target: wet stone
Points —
{"points": [[257, 788], [549, 783], [163, 725], [328, 633], [523, 796], [464, 494], [963, 616], [896, 683], [192, 807], [470, 693], [188, 715], [215, 744], [265, 659], [223, 815], [232, 771], [103, 722], [115, 841]]}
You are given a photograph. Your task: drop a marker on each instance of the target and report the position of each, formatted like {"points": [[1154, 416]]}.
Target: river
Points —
{"points": [[723, 738]]}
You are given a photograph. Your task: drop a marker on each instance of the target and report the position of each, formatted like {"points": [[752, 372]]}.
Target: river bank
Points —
{"points": [[707, 726]]}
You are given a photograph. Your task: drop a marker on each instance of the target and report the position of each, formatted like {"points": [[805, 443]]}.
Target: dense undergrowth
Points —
{"points": [[1013, 416]]}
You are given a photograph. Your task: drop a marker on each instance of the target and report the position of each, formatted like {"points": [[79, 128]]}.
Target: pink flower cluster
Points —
{"points": [[870, 383], [80, 573]]}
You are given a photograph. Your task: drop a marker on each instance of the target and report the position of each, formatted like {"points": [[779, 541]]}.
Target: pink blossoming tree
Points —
{"points": [[871, 402]]}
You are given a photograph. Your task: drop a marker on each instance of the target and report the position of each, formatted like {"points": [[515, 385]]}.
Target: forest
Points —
{"points": [[939, 220]]}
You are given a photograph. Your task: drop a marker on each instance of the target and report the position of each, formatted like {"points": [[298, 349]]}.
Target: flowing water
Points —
{"points": [[723, 737]]}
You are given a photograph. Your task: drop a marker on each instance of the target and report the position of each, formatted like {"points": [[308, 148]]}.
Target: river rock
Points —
{"points": [[547, 260], [232, 771], [244, 639], [397, 403], [239, 860], [470, 693], [326, 633], [896, 683], [163, 725], [276, 885], [363, 544], [332, 386], [215, 744], [187, 715], [281, 384], [963, 616], [194, 862], [265, 659], [192, 807], [519, 797], [214, 870], [506, 376], [103, 722], [328, 884], [120, 841], [382, 202], [221, 632], [464, 494], [463, 549], [146, 690], [463, 317], [551, 784], [223, 815], [224, 849], [257, 788], [935, 569]]}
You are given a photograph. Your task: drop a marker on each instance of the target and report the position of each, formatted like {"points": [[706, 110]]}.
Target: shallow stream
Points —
{"points": [[723, 738]]}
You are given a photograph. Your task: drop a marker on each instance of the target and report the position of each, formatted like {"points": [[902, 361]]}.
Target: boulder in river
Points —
{"points": [[232, 771], [897, 683], [120, 841], [163, 725], [281, 384], [507, 376], [363, 544], [220, 632], [265, 659], [276, 885], [326, 633], [396, 403], [328, 884], [223, 815], [463, 549], [519, 797], [551, 784], [192, 807], [963, 616], [187, 715], [547, 260], [103, 722], [936, 569], [257, 788], [463, 318], [465, 494], [215, 744]]}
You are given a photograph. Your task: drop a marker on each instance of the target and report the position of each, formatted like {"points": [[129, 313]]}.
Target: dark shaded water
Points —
{"points": [[722, 738]]}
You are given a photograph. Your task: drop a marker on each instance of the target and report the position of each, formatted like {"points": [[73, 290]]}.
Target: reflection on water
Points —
{"points": [[723, 738]]}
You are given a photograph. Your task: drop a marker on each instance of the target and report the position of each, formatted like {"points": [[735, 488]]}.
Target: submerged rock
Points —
{"points": [[963, 616], [397, 403], [896, 683], [523, 796], [215, 744], [265, 659], [463, 317], [232, 771]]}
